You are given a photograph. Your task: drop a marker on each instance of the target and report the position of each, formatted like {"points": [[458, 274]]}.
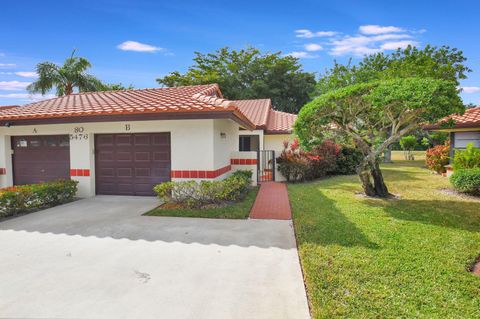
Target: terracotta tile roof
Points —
{"points": [[199, 98], [255, 110], [260, 112], [5, 107], [471, 118], [186, 99], [280, 122]]}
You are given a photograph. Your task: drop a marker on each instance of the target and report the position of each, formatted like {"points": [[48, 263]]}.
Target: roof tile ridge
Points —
{"points": [[206, 96]]}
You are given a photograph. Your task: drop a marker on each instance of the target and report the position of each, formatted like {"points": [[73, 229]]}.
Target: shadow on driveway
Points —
{"points": [[120, 217]]}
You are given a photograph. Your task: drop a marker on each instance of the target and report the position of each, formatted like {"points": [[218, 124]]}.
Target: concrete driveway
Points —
{"points": [[99, 258]]}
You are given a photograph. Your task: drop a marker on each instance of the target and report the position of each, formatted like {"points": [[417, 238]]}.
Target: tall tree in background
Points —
{"points": [[67, 78], [250, 74]]}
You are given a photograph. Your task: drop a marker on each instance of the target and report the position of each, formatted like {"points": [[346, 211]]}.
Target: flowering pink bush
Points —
{"points": [[298, 165]]}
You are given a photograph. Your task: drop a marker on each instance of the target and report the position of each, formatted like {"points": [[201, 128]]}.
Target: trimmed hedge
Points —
{"points": [[466, 180], [194, 194], [22, 198]]}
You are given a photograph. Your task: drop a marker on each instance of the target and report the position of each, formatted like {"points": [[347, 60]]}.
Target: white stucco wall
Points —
{"points": [[195, 144], [275, 143], [225, 141]]}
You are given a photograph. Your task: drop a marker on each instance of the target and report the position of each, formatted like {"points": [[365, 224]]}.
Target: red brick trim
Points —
{"points": [[3, 171], [79, 172], [201, 174], [243, 161]]}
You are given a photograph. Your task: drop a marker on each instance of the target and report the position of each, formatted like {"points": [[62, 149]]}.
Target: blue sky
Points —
{"points": [[134, 42]]}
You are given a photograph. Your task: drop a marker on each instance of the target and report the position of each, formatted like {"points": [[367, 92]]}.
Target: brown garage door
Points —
{"points": [[40, 158], [131, 164]]}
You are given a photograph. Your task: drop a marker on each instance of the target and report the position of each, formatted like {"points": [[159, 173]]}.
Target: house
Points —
{"points": [[466, 128], [124, 142]]}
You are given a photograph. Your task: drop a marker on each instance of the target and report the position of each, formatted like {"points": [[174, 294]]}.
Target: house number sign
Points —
{"points": [[78, 134]]}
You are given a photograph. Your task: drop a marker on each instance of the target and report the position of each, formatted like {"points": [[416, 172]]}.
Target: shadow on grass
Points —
{"points": [[318, 221], [462, 215]]}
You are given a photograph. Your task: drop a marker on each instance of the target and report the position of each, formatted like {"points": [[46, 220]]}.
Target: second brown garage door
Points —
{"points": [[131, 164]]}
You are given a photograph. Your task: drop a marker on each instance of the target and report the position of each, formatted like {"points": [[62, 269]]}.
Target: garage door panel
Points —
{"points": [[105, 155], [40, 158], [142, 140], [123, 140], [136, 161], [105, 140], [124, 172], [143, 172], [161, 156], [123, 156], [159, 139], [142, 156]]}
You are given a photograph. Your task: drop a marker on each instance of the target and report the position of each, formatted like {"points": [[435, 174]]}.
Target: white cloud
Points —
{"points": [[377, 29], [27, 96], [24, 74], [305, 33], [384, 37], [27, 74], [138, 47], [302, 55], [370, 39], [7, 65], [313, 47], [397, 45], [470, 89], [13, 85]]}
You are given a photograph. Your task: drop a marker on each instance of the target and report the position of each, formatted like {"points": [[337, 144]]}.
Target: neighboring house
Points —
{"points": [[124, 142], [465, 130]]}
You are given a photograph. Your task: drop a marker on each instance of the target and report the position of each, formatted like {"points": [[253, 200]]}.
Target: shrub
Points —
{"points": [[437, 158], [17, 199], [468, 158], [466, 180], [195, 195], [293, 162], [408, 144], [322, 160], [297, 165], [348, 160]]}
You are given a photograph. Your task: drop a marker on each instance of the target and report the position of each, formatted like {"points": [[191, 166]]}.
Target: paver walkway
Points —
{"points": [[271, 202]]}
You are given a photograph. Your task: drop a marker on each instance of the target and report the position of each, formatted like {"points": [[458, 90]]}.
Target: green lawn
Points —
{"points": [[235, 211], [371, 258], [400, 155]]}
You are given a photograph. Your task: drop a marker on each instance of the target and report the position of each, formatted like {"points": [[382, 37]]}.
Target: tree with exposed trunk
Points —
{"points": [[68, 78], [376, 114]]}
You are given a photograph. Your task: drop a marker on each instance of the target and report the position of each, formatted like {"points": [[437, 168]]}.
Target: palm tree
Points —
{"points": [[71, 75]]}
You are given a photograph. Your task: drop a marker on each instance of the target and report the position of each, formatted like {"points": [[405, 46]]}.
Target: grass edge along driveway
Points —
{"points": [[373, 258], [238, 210]]}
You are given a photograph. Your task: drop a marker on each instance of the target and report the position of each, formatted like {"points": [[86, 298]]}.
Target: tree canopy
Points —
{"points": [[430, 62], [382, 98], [65, 78], [376, 114], [249, 74]]}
